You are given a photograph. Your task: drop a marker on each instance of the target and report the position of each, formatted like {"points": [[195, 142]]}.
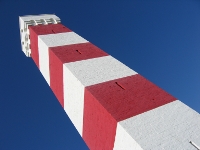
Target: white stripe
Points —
{"points": [[54, 40], [98, 70], [123, 141], [79, 74], [73, 99], [170, 126]]}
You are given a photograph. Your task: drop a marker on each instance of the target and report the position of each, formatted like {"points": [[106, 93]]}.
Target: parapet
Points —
{"points": [[33, 20]]}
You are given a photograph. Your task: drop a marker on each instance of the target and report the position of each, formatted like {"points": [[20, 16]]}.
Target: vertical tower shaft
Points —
{"points": [[110, 105]]}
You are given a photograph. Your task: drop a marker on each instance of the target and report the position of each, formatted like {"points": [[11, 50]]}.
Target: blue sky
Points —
{"points": [[158, 39]]}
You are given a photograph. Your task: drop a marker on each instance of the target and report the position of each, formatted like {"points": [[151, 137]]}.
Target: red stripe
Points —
{"points": [[117, 100], [99, 127], [65, 54], [127, 97], [34, 46], [42, 30]]}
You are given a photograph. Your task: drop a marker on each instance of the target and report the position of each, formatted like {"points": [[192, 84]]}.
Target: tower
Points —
{"points": [[110, 105]]}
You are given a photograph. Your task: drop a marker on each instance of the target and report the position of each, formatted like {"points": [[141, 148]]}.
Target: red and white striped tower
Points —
{"points": [[110, 105]]}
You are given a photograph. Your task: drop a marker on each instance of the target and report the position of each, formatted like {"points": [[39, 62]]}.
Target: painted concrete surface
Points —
{"points": [[25, 21], [79, 74], [66, 54], [99, 126], [98, 70], [53, 40], [107, 108], [73, 99], [129, 96], [117, 100], [170, 126], [123, 141], [35, 31]]}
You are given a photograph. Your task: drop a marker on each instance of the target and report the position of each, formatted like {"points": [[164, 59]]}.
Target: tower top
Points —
{"points": [[33, 20]]}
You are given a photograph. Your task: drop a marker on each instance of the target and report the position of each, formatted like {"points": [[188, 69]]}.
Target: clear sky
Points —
{"points": [[159, 39]]}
